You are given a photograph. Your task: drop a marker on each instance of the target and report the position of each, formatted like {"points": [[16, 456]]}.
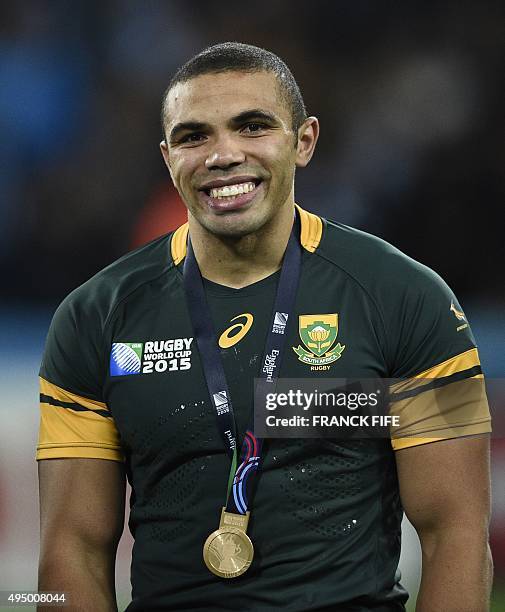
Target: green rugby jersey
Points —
{"points": [[121, 379]]}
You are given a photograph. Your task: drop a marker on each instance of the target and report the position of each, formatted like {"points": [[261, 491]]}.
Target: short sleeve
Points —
{"points": [[438, 390], [74, 419]]}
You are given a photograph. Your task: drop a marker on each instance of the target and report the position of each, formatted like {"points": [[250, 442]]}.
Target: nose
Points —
{"points": [[224, 154]]}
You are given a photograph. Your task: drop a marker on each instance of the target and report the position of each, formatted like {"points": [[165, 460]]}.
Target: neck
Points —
{"points": [[238, 262]]}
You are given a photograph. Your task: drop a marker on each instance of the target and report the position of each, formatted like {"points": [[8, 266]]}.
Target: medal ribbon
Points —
{"points": [[241, 479]]}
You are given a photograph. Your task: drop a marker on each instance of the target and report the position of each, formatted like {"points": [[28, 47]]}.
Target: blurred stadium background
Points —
{"points": [[411, 100]]}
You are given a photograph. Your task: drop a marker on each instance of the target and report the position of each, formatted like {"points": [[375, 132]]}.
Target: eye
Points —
{"points": [[192, 138], [253, 128]]}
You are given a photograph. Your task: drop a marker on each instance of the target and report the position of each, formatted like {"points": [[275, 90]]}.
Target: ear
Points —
{"points": [[164, 153], [166, 156], [308, 133]]}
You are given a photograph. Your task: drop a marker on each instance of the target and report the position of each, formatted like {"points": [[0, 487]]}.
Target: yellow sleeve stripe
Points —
{"points": [[79, 452], [310, 235], [458, 363], [62, 395], [311, 229], [399, 443], [178, 245], [470, 430], [68, 433]]}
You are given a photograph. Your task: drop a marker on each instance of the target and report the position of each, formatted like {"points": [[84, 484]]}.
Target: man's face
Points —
{"points": [[230, 150]]}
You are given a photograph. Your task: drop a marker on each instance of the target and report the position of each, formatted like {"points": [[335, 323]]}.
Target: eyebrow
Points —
{"points": [[255, 113], [248, 115], [186, 126]]}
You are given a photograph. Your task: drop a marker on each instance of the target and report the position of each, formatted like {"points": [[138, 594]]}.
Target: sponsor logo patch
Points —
{"points": [[237, 331], [128, 358], [125, 358], [460, 315], [318, 333]]}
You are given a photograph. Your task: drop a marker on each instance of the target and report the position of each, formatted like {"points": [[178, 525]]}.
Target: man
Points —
{"points": [[132, 360]]}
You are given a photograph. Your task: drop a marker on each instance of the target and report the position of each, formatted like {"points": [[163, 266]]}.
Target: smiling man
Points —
{"points": [[148, 373], [233, 140]]}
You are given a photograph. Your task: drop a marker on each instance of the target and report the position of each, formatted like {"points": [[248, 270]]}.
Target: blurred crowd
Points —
{"points": [[410, 98]]}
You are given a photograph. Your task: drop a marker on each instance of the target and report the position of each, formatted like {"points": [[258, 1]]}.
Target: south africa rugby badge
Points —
{"points": [[319, 334]]}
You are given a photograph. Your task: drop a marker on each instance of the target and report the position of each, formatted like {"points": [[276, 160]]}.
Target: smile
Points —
{"points": [[231, 191], [230, 195]]}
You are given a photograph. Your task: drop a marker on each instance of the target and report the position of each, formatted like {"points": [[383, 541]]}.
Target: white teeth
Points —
{"points": [[232, 190]]}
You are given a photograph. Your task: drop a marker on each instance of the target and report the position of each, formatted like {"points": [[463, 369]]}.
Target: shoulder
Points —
{"points": [[378, 266], [422, 321], [99, 296]]}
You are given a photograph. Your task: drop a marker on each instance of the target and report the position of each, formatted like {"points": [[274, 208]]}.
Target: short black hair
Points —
{"points": [[235, 56]]}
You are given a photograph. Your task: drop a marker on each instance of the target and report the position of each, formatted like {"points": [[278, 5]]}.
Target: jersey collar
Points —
{"points": [[310, 235]]}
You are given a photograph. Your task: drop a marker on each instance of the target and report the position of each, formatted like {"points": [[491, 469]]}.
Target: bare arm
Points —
{"points": [[445, 491], [81, 521]]}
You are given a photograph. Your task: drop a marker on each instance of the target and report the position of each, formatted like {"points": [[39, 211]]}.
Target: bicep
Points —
{"points": [[446, 483], [81, 501]]}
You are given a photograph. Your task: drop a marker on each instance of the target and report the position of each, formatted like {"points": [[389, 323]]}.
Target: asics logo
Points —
{"points": [[237, 331]]}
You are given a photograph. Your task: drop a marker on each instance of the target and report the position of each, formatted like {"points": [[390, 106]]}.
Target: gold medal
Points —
{"points": [[228, 552]]}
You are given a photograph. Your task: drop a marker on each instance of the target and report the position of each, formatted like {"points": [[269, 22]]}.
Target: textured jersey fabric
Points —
{"points": [[121, 380]]}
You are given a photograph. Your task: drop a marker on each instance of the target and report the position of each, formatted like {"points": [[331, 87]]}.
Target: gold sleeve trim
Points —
{"points": [[48, 388], [458, 363], [84, 452], [453, 365], [400, 443], [67, 432], [178, 245], [449, 411], [470, 430], [311, 229]]}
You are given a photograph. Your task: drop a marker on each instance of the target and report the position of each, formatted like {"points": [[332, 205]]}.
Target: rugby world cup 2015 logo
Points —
{"points": [[126, 358], [318, 333]]}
